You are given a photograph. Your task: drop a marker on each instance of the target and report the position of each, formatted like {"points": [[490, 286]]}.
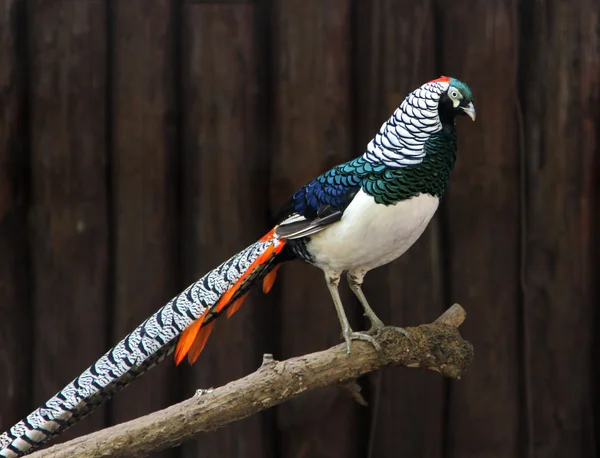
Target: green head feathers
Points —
{"points": [[463, 88]]}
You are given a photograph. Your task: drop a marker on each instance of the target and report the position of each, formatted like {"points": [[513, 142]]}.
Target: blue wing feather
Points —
{"points": [[333, 190], [323, 201]]}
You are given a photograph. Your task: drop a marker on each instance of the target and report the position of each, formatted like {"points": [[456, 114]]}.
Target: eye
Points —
{"points": [[453, 93]]}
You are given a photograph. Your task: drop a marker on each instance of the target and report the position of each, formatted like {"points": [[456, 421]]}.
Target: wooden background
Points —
{"points": [[142, 142]]}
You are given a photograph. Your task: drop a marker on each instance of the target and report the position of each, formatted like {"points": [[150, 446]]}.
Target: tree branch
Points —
{"points": [[437, 346]]}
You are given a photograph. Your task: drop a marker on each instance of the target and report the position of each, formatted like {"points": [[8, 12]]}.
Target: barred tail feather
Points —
{"points": [[195, 308], [194, 338]]}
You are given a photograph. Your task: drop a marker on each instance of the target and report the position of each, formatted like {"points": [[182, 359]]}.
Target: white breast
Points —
{"points": [[370, 234]]}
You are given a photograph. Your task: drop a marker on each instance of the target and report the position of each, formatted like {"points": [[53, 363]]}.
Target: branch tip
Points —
{"points": [[354, 390], [454, 316]]}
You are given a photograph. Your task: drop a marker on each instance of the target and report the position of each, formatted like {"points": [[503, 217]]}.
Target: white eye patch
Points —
{"points": [[455, 96]]}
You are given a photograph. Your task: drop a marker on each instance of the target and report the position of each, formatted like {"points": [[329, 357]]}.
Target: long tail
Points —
{"points": [[191, 314]]}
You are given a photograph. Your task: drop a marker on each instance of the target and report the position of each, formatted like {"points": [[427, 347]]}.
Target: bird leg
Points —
{"points": [[355, 280], [349, 335]]}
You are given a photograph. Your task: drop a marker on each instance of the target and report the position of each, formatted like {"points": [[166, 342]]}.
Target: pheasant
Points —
{"points": [[355, 217]]}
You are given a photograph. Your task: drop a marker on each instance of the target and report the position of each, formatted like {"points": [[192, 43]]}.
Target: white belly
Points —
{"points": [[370, 235]]}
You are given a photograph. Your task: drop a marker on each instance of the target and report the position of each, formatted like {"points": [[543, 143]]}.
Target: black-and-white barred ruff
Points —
{"points": [[401, 139], [146, 346]]}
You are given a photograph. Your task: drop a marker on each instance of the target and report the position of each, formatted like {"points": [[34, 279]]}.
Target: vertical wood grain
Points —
{"points": [[405, 404], [312, 86], [225, 190], [15, 344], [274, 93], [482, 226], [560, 95], [144, 149], [69, 193]]}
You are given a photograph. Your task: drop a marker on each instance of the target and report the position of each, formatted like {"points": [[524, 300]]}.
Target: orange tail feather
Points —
{"points": [[270, 279], [226, 298], [236, 305], [200, 342], [187, 338], [193, 339]]}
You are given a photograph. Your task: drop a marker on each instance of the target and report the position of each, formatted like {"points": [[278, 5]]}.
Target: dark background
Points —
{"points": [[142, 142]]}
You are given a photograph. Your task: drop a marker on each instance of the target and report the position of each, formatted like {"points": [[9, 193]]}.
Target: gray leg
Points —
{"points": [[355, 280], [332, 283]]}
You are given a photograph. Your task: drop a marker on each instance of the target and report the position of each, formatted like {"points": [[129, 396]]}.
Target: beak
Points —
{"points": [[469, 111]]}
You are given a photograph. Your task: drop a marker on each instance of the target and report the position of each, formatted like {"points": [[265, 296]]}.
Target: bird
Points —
{"points": [[355, 217]]}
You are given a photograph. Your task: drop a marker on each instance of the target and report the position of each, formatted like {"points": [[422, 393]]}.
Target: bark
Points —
{"points": [[437, 346]]}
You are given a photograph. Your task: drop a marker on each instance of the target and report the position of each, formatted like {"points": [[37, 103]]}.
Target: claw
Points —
{"points": [[350, 336], [404, 332]]}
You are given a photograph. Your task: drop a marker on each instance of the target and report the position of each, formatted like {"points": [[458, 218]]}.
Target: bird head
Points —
{"points": [[457, 100], [429, 109]]}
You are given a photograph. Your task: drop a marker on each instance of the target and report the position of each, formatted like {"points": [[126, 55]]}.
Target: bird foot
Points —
{"points": [[350, 336], [376, 326]]}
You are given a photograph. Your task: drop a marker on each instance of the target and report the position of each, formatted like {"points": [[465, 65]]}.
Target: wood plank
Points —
{"points": [[560, 97], [589, 80], [482, 228], [224, 200], [145, 185], [15, 343], [396, 36], [69, 197], [312, 120]]}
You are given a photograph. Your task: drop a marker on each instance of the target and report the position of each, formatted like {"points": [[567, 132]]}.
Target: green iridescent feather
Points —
{"points": [[389, 185]]}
